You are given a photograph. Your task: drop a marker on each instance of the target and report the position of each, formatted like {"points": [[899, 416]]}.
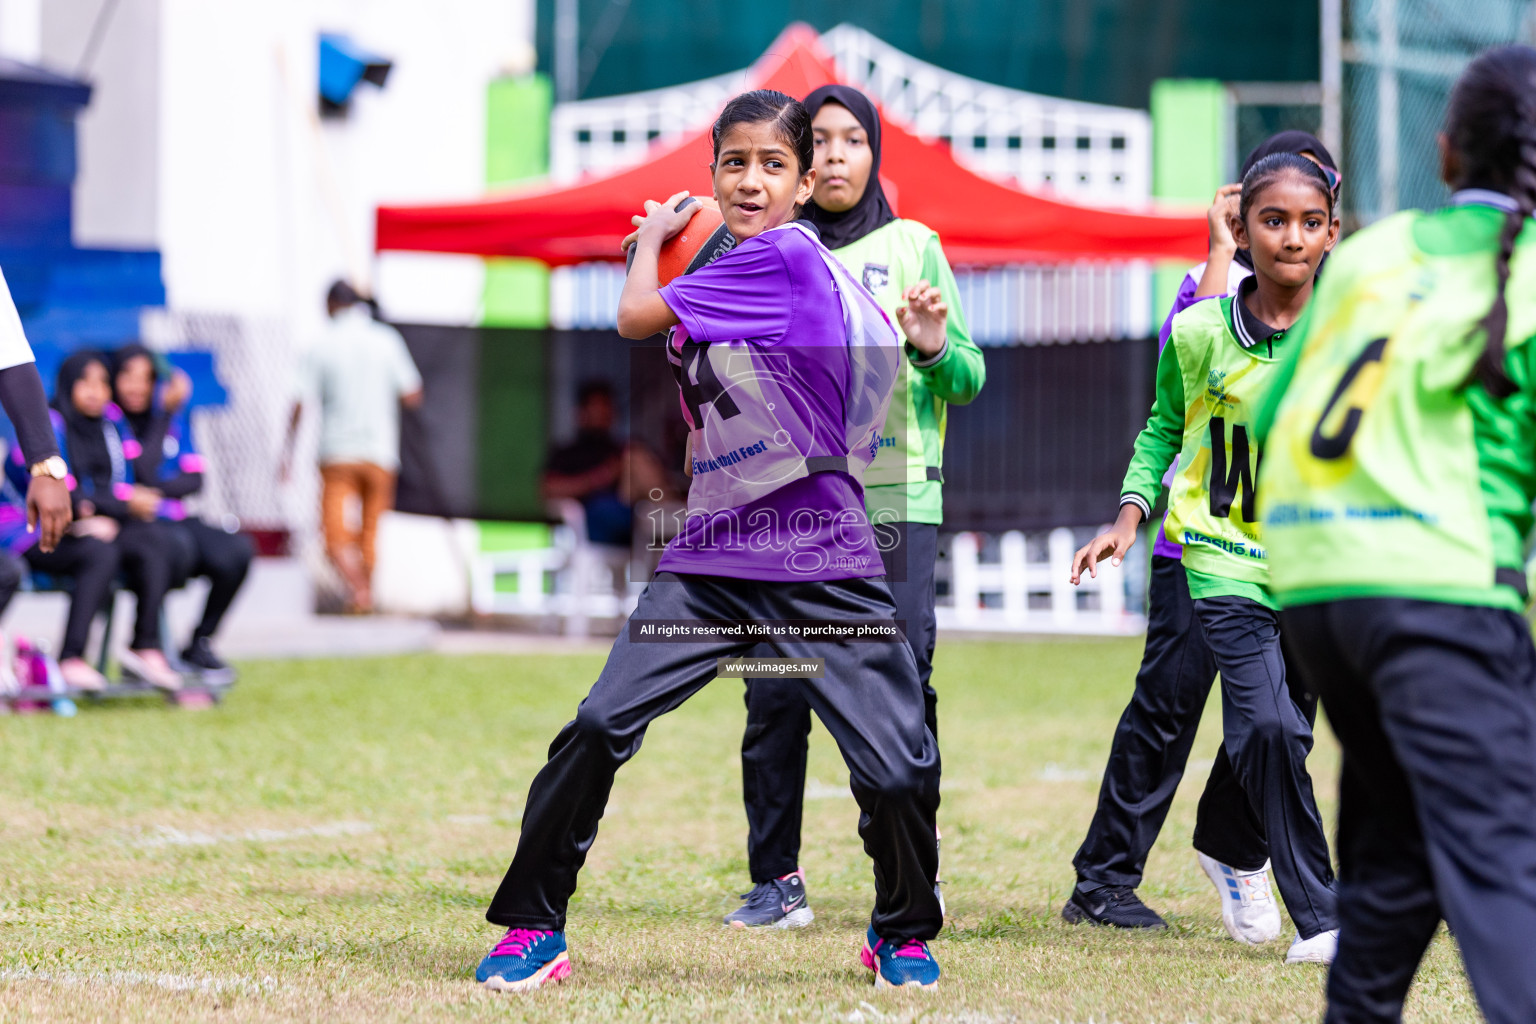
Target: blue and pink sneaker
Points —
{"points": [[905, 965], [523, 960]]}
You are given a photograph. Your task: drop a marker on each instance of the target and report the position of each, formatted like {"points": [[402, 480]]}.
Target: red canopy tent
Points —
{"points": [[979, 220]]}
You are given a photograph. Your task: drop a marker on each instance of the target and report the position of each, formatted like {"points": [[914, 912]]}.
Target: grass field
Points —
{"points": [[323, 846]]}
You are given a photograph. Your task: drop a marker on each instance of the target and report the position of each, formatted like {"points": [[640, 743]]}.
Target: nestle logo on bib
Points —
{"points": [[876, 276]]}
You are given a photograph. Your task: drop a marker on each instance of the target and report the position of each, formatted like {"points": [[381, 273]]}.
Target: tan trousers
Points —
{"points": [[341, 484]]}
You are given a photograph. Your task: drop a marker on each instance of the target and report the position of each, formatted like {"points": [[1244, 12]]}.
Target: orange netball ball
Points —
{"points": [[701, 242]]}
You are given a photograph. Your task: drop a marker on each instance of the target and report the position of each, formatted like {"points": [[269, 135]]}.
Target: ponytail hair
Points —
{"points": [[1491, 125]]}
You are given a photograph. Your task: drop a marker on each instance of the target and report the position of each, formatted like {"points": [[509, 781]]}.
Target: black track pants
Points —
{"points": [[773, 748], [1268, 738], [869, 700], [224, 558], [1435, 705], [1151, 747], [93, 565]]}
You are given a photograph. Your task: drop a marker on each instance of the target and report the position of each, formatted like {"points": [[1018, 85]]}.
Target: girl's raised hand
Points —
{"points": [[1218, 218], [923, 317], [660, 221]]}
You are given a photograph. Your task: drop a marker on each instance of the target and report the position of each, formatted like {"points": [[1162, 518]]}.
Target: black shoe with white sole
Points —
{"points": [[209, 668], [1114, 905], [780, 903]]}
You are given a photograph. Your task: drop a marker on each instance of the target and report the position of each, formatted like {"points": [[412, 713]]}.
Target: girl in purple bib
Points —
{"points": [[785, 367]]}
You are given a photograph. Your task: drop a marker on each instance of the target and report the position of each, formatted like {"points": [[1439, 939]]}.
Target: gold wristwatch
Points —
{"points": [[52, 466]]}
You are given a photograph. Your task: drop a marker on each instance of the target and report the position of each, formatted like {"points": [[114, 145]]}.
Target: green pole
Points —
{"points": [[516, 150], [1191, 140]]}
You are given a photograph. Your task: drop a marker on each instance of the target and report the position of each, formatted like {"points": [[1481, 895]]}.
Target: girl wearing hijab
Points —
{"points": [[170, 463], [902, 265], [100, 449], [1152, 743]]}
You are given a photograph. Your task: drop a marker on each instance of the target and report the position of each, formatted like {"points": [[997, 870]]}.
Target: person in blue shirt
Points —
{"points": [[170, 464]]}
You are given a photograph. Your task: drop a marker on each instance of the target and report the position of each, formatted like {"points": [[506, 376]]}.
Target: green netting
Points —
{"points": [[1401, 58], [1104, 51]]}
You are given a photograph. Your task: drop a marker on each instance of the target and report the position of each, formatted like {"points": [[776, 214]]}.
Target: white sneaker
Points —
{"points": [[1248, 906], [1319, 949]]}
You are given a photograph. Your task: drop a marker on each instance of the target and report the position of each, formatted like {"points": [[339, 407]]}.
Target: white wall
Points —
{"points": [[259, 204], [21, 30], [116, 200], [202, 140]]}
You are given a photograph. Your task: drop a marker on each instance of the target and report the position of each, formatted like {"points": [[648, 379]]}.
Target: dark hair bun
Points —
{"points": [[788, 116], [1270, 169]]}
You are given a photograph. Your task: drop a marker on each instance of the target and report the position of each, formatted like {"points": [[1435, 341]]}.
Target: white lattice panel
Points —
{"points": [[255, 359], [1033, 304], [599, 135], [1085, 151]]}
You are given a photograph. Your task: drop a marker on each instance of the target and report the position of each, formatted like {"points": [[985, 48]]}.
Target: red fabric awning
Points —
{"points": [[980, 221]]}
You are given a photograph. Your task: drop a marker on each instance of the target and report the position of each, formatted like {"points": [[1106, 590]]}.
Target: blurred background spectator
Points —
{"points": [[606, 475], [110, 505], [170, 463], [362, 375]]}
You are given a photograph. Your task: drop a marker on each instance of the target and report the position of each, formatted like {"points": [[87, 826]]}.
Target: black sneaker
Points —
{"points": [[1114, 905], [780, 903], [209, 667]]}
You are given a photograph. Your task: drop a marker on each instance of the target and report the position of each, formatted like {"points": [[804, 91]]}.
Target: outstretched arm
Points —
{"points": [[1156, 446]]}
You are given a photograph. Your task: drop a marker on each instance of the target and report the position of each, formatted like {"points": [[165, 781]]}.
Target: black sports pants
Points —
{"points": [[93, 565], [869, 700], [1151, 747], [773, 748], [223, 557], [1268, 738], [1435, 705], [152, 563]]}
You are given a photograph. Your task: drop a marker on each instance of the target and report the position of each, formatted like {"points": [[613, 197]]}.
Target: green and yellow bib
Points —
{"points": [[904, 483], [888, 261], [1386, 474], [1213, 505]]}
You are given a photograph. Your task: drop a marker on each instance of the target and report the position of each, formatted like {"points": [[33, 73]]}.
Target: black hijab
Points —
{"points": [[89, 457], [120, 359], [872, 211], [149, 427], [1293, 141]]}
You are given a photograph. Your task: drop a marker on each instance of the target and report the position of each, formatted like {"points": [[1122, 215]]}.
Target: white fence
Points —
{"points": [[576, 582], [1021, 304], [1017, 595]]}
